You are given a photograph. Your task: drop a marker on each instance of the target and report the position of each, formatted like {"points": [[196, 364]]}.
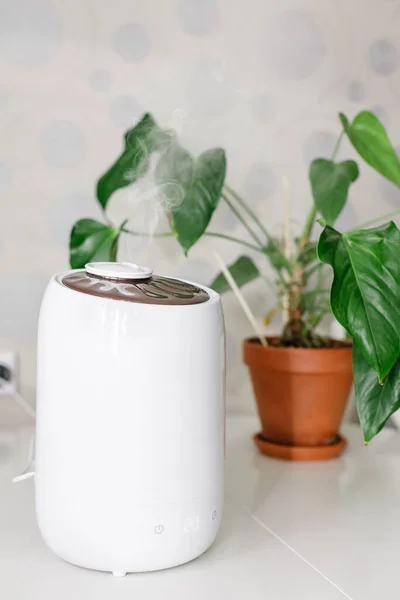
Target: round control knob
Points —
{"points": [[123, 270]]}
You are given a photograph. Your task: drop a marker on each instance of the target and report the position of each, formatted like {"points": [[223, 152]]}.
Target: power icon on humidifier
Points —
{"points": [[158, 529]]}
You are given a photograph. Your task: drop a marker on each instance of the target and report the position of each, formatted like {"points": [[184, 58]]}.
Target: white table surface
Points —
{"points": [[291, 531]]}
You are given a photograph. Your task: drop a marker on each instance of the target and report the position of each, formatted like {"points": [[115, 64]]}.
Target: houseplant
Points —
{"points": [[200, 185]]}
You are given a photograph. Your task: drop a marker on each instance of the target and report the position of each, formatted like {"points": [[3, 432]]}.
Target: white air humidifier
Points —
{"points": [[130, 418]]}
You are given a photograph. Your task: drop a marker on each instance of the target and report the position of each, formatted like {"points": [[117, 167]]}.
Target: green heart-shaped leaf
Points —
{"points": [[140, 141], [369, 138], [200, 182], [91, 240], [365, 289], [243, 270], [375, 402], [330, 184]]}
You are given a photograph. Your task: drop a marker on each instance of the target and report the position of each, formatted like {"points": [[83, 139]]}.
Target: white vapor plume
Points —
{"points": [[146, 200]]}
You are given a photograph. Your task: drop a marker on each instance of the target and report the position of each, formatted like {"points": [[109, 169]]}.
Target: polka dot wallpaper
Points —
{"points": [[264, 79]]}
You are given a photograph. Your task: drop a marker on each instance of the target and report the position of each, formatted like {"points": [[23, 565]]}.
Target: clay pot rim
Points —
{"points": [[254, 343], [297, 360]]}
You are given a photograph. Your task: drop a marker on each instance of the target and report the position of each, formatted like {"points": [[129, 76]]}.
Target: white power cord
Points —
{"points": [[30, 469], [20, 400]]}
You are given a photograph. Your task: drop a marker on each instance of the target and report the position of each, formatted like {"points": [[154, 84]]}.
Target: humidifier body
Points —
{"points": [[130, 422]]}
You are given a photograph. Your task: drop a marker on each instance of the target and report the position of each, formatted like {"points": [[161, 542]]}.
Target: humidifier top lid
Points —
{"points": [[132, 283], [124, 270]]}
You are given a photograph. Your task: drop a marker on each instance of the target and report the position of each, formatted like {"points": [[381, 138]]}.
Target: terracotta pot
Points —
{"points": [[301, 397]]}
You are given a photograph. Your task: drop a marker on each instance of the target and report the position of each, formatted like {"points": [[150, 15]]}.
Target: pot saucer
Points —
{"points": [[297, 453]]}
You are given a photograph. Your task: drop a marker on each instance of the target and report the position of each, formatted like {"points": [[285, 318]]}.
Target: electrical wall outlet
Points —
{"points": [[9, 372]]}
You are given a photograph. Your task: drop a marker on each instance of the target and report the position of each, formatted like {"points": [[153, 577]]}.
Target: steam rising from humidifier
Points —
{"points": [[148, 199], [130, 418]]}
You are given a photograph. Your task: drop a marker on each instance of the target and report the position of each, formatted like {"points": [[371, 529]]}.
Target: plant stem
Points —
{"points": [[270, 239], [305, 238], [377, 220], [122, 226], [141, 233], [337, 146], [312, 270], [207, 233], [241, 219], [298, 281], [308, 227], [314, 292], [288, 243], [233, 239], [247, 208]]}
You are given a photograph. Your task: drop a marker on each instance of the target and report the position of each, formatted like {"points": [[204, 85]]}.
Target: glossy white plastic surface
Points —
{"points": [[130, 430], [124, 270]]}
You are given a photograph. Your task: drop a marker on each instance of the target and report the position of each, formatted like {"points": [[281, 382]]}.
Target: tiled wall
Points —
{"points": [[262, 78]]}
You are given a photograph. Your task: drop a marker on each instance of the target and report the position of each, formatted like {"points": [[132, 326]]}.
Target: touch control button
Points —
{"points": [[191, 524], [214, 515], [158, 529]]}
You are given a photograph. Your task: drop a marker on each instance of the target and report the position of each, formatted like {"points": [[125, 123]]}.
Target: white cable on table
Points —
{"points": [[20, 401]]}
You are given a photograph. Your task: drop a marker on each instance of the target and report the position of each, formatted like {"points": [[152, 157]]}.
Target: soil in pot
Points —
{"points": [[301, 395]]}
